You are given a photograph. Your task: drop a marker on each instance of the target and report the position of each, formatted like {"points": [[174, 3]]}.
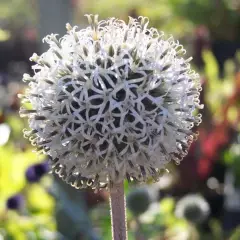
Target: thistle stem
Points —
{"points": [[118, 211]]}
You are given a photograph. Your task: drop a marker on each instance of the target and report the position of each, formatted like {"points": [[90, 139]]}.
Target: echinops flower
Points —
{"points": [[193, 207], [112, 101]]}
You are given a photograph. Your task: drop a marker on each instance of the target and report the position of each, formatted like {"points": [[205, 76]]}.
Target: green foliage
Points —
{"points": [[18, 11], [13, 173], [35, 218], [158, 222], [236, 234], [216, 228], [218, 91], [161, 13], [232, 160], [222, 20], [178, 17]]}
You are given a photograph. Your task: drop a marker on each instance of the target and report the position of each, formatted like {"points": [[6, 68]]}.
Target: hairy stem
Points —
{"points": [[138, 231], [118, 211]]}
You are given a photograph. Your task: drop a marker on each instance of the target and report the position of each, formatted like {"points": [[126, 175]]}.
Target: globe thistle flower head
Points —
{"points": [[193, 207], [15, 202], [112, 101]]}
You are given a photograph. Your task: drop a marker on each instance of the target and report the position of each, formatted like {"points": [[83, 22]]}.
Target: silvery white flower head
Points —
{"points": [[112, 101], [193, 207]]}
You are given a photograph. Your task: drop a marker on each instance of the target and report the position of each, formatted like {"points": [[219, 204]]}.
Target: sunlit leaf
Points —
{"points": [[38, 199], [167, 205]]}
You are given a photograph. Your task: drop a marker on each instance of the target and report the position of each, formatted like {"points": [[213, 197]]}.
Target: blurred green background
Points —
{"points": [[200, 199]]}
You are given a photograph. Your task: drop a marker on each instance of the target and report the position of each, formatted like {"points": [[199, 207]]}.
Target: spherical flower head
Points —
{"points": [[36, 171], [15, 202], [112, 101], [193, 207]]}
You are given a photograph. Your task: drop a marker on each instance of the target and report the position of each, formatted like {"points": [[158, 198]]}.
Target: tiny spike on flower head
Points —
{"points": [[112, 101]]}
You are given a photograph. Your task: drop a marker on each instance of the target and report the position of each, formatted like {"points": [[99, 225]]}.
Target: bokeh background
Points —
{"points": [[199, 199]]}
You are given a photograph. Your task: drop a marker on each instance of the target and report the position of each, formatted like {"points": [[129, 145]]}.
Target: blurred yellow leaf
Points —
{"points": [[16, 124], [232, 114], [229, 68], [211, 68], [38, 199], [12, 171], [167, 205], [4, 35]]}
